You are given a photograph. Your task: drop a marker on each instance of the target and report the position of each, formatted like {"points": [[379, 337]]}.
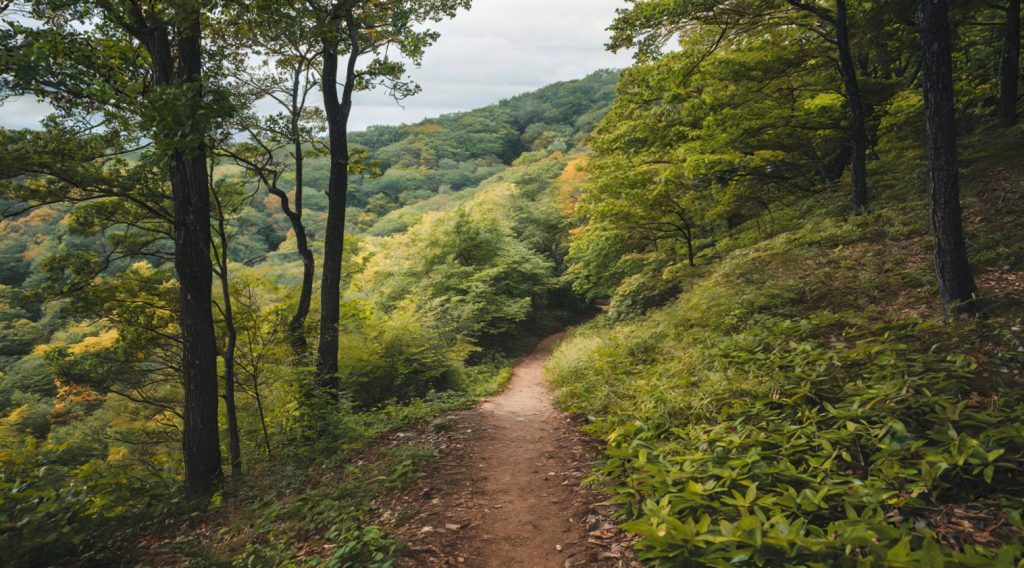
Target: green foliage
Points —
{"points": [[825, 441], [395, 360], [785, 410], [745, 113], [366, 546], [90, 395], [714, 148], [798, 403], [464, 275], [64, 488], [454, 153], [318, 496], [91, 400]]}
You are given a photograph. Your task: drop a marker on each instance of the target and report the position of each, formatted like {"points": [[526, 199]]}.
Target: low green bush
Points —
{"points": [[398, 361]]}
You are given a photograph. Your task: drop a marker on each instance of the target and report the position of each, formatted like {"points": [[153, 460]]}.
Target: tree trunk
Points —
{"points": [[234, 440], [687, 231], [191, 196], [190, 193], [296, 327], [297, 323], [1009, 66], [337, 192], [956, 284], [263, 416], [858, 130]]}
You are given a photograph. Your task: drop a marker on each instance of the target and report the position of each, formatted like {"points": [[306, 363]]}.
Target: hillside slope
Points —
{"points": [[807, 401]]}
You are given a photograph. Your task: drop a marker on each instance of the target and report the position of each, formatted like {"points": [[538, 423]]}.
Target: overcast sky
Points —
{"points": [[498, 49]]}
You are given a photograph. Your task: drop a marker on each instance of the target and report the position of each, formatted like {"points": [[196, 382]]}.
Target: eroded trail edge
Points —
{"points": [[506, 490]]}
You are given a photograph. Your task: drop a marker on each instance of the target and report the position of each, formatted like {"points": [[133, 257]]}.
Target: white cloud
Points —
{"points": [[21, 112], [496, 50]]}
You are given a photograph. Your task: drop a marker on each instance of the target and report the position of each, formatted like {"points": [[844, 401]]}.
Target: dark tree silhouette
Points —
{"points": [[956, 284]]}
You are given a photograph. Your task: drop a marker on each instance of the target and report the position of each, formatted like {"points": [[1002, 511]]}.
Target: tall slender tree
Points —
{"points": [[840, 36], [858, 124], [338, 111], [227, 198], [138, 67], [172, 35], [351, 30], [956, 283], [287, 76]]}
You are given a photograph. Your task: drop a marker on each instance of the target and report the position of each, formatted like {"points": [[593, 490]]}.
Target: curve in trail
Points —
{"points": [[507, 491]]}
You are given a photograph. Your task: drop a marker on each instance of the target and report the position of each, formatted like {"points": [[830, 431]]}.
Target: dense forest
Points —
{"points": [[789, 237]]}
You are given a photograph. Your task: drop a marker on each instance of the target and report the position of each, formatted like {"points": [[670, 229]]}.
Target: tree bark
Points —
{"points": [[337, 112], [191, 197], [190, 193], [296, 327], [858, 129], [263, 416], [689, 249], [190, 190], [956, 284], [297, 323], [234, 440], [1009, 66]]}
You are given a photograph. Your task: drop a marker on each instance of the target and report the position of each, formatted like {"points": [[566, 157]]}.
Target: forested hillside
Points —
{"points": [[234, 336], [791, 371]]}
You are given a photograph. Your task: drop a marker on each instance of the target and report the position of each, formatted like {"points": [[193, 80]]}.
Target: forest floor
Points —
{"points": [[506, 488]]}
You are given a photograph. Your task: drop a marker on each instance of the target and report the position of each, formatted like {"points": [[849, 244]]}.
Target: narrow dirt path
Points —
{"points": [[506, 491]]}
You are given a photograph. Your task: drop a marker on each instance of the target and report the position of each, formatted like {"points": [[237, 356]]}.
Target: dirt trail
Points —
{"points": [[506, 491]]}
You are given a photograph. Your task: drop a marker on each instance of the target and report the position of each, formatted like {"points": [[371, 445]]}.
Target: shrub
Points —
{"points": [[396, 361]]}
